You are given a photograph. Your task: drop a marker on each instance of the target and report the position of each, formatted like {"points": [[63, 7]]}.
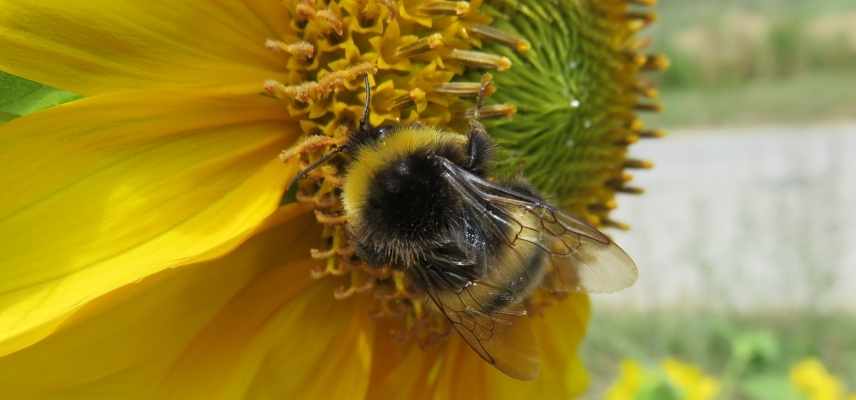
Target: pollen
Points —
{"points": [[423, 59]]}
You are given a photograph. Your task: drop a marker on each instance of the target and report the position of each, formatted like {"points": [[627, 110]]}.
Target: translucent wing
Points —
{"points": [[583, 257], [503, 338]]}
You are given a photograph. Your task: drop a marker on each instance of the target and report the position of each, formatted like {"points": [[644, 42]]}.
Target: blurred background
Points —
{"points": [[745, 237]]}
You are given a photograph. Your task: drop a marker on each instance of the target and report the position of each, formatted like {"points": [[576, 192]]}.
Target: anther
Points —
{"points": [[308, 144], [656, 62], [634, 163], [652, 107], [300, 48], [420, 46], [645, 89], [627, 140], [311, 91], [480, 59], [305, 10], [610, 223], [647, 18], [464, 88], [603, 207], [327, 219], [652, 134], [629, 190], [333, 20], [494, 111], [444, 7], [497, 35]]}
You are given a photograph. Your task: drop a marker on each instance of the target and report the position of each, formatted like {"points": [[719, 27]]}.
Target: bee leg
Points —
{"points": [[479, 146], [479, 150]]}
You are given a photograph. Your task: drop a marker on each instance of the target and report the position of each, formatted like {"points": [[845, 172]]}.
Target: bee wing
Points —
{"points": [[583, 257], [504, 339]]}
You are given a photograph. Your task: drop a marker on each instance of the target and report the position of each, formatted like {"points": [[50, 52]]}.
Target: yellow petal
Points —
{"points": [[123, 345], [402, 370], [95, 46], [110, 189], [454, 371], [279, 340]]}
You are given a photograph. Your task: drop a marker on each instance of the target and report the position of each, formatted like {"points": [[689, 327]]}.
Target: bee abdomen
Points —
{"points": [[516, 272]]}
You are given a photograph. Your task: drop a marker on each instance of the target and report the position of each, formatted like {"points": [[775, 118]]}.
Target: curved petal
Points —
{"points": [[95, 46], [454, 371], [124, 344], [111, 189], [276, 341]]}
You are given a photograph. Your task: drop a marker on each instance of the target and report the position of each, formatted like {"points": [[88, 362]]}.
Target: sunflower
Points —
{"points": [[148, 250]]}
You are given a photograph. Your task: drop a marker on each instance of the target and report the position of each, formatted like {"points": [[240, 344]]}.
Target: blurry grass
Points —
{"points": [[743, 349], [737, 62], [805, 98]]}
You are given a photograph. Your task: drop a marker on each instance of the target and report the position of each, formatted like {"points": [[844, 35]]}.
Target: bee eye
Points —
{"points": [[383, 131]]}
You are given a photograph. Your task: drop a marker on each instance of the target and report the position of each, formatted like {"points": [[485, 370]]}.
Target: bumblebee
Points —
{"points": [[420, 199]]}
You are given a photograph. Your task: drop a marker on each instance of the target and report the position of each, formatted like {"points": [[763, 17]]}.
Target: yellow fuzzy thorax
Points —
{"points": [[371, 158]]}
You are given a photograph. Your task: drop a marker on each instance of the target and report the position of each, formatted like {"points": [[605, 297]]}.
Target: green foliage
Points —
{"points": [[769, 386], [752, 355], [659, 389], [19, 97]]}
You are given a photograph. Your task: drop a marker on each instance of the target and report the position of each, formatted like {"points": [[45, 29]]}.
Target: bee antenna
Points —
{"points": [[364, 123], [311, 167]]}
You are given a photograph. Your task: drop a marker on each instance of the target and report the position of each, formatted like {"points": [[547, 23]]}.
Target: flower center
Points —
{"points": [[422, 57], [412, 51]]}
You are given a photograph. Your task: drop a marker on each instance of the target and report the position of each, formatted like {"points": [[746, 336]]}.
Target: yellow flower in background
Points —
{"points": [[691, 380], [675, 380], [812, 379], [630, 380], [146, 252]]}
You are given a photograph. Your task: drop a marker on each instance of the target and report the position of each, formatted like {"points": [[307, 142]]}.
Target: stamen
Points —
{"points": [[627, 140], [469, 89], [299, 48], [327, 219], [652, 134], [444, 7], [646, 89], [634, 163], [312, 91], [635, 57], [652, 107], [645, 18], [630, 190], [656, 62], [319, 200], [305, 10], [498, 35], [640, 43], [614, 224], [480, 59], [359, 283], [333, 20], [308, 144], [420, 46], [603, 207], [494, 111]]}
